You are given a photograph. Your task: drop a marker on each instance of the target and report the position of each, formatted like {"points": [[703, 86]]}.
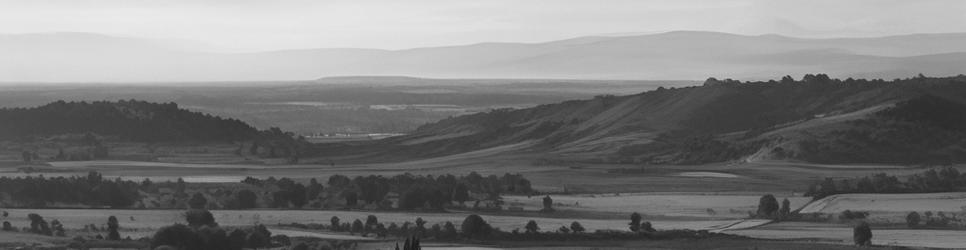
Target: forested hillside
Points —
{"points": [[815, 118], [129, 120]]}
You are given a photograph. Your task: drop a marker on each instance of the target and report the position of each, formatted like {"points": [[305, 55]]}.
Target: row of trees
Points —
{"points": [[945, 179], [473, 227], [91, 190], [414, 191]]}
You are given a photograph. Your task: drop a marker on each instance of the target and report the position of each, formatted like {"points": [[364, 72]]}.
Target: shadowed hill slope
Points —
{"points": [[720, 121]]}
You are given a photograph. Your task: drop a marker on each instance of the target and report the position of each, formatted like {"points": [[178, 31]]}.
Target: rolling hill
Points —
{"points": [[79, 57], [816, 119], [129, 120]]}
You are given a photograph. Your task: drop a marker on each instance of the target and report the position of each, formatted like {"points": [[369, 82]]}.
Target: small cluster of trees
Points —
{"points": [[940, 220], [203, 233], [945, 179], [38, 225], [768, 208], [91, 190]]}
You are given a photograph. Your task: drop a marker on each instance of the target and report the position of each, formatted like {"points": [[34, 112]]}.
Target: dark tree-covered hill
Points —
{"points": [[130, 120]]}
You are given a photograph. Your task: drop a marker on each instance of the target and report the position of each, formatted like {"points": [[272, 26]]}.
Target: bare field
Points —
{"points": [[708, 206], [842, 234], [948, 202]]}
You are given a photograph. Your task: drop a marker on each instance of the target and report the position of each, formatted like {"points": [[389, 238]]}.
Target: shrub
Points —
{"points": [[853, 215], [576, 227], [236, 240], [646, 227], [179, 236]]}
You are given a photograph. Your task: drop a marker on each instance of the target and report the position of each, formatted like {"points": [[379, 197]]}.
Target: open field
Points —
{"points": [[655, 204], [948, 202], [842, 234]]}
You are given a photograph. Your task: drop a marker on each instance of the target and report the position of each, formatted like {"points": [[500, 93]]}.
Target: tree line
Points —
{"points": [[946, 179], [413, 191], [91, 190]]}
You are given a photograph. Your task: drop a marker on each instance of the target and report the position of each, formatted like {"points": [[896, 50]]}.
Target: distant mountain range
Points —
{"points": [[816, 119], [685, 55]]}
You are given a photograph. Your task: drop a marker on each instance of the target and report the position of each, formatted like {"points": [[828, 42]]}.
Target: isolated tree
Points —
{"points": [[576, 227], [38, 225], [862, 234], [547, 204], [371, 222], [786, 208], [335, 223], [112, 228], [8, 227], [913, 219], [420, 227], [564, 229], [635, 224], [532, 227], [767, 206], [475, 227], [357, 226]]}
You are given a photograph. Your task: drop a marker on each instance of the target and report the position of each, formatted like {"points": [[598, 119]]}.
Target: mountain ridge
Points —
{"points": [[669, 55]]}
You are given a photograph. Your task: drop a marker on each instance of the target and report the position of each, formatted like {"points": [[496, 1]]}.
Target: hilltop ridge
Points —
{"points": [[815, 119]]}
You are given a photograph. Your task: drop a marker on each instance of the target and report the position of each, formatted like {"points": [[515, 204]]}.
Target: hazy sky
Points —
{"points": [[396, 24]]}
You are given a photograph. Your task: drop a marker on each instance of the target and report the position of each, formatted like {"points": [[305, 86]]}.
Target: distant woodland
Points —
{"points": [[127, 119], [402, 192]]}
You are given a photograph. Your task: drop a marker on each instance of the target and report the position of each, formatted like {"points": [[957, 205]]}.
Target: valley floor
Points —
{"points": [[714, 197]]}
